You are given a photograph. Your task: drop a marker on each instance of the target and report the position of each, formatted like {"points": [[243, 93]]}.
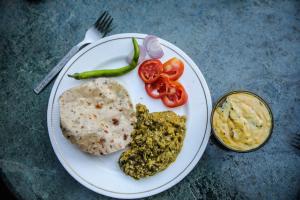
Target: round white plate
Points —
{"points": [[102, 174]]}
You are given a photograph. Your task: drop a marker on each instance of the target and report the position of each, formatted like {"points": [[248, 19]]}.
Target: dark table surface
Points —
{"points": [[251, 45]]}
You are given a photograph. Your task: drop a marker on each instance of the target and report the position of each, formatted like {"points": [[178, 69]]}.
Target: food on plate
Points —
{"points": [[156, 141], [142, 56], [97, 116], [242, 121], [150, 46], [153, 47], [111, 72], [160, 81], [158, 88], [150, 70], [175, 95], [173, 68]]}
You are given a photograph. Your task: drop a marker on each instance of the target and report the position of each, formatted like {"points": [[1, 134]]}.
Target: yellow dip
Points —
{"points": [[242, 122]]}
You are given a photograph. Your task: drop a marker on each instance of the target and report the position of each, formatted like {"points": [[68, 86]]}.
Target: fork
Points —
{"points": [[296, 141], [99, 29]]}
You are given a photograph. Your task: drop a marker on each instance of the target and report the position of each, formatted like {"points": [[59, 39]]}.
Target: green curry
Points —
{"points": [[156, 141]]}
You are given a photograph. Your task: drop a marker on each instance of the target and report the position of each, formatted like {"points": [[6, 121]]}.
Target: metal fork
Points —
{"points": [[296, 141], [100, 29]]}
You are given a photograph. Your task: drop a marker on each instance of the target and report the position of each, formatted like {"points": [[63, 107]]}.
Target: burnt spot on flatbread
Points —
{"points": [[100, 94], [98, 106], [82, 127], [102, 141], [115, 121], [120, 110], [95, 116], [105, 131], [111, 141], [125, 136]]}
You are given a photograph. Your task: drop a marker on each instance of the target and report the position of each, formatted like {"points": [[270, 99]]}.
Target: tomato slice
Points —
{"points": [[159, 88], [150, 70], [173, 68], [175, 95]]}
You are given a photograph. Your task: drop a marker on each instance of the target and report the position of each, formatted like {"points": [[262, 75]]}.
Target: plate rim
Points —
{"points": [[165, 186]]}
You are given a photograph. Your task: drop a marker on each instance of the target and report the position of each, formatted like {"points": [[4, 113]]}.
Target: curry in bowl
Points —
{"points": [[242, 121]]}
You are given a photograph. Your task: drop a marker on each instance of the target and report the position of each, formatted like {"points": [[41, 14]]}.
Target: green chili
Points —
{"points": [[111, 72]]}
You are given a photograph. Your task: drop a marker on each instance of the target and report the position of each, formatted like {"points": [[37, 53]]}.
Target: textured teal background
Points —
{"points": [[251, 45]]}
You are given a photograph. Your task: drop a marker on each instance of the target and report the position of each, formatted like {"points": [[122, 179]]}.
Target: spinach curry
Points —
{"points": [[156, 141]]}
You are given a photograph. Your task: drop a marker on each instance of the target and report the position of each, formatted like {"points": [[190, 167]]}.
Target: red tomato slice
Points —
{"points": [[150, 70], [159, 88], [175, 96], [173, 68]]}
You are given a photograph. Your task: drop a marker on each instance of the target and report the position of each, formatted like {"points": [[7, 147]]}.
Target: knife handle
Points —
{"points": [[47, 79]]}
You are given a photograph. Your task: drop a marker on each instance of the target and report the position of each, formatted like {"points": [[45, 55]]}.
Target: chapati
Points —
{"points": [[97, 116]]}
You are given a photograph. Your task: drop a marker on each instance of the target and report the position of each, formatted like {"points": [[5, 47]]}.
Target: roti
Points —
{"points": [[97, 116]]}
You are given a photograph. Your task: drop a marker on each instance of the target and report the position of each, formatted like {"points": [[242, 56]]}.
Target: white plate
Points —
{"points": [[102, 174]]}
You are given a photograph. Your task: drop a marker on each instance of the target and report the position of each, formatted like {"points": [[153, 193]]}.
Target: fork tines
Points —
{"points": [[104, 22]]}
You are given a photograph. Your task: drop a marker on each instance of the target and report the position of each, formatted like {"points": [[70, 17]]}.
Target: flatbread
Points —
{"points": [[97, 116]]}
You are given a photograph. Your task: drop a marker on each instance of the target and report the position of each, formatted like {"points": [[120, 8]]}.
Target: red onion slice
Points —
{"points": [[153, 47], [142, 56], [147, 39]]}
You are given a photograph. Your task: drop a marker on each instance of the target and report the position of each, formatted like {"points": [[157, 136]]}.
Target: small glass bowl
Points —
{"points": [[221, 100]]}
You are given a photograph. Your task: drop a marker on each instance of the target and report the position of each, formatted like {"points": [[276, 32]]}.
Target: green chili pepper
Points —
{"points": [[111, 72]]}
